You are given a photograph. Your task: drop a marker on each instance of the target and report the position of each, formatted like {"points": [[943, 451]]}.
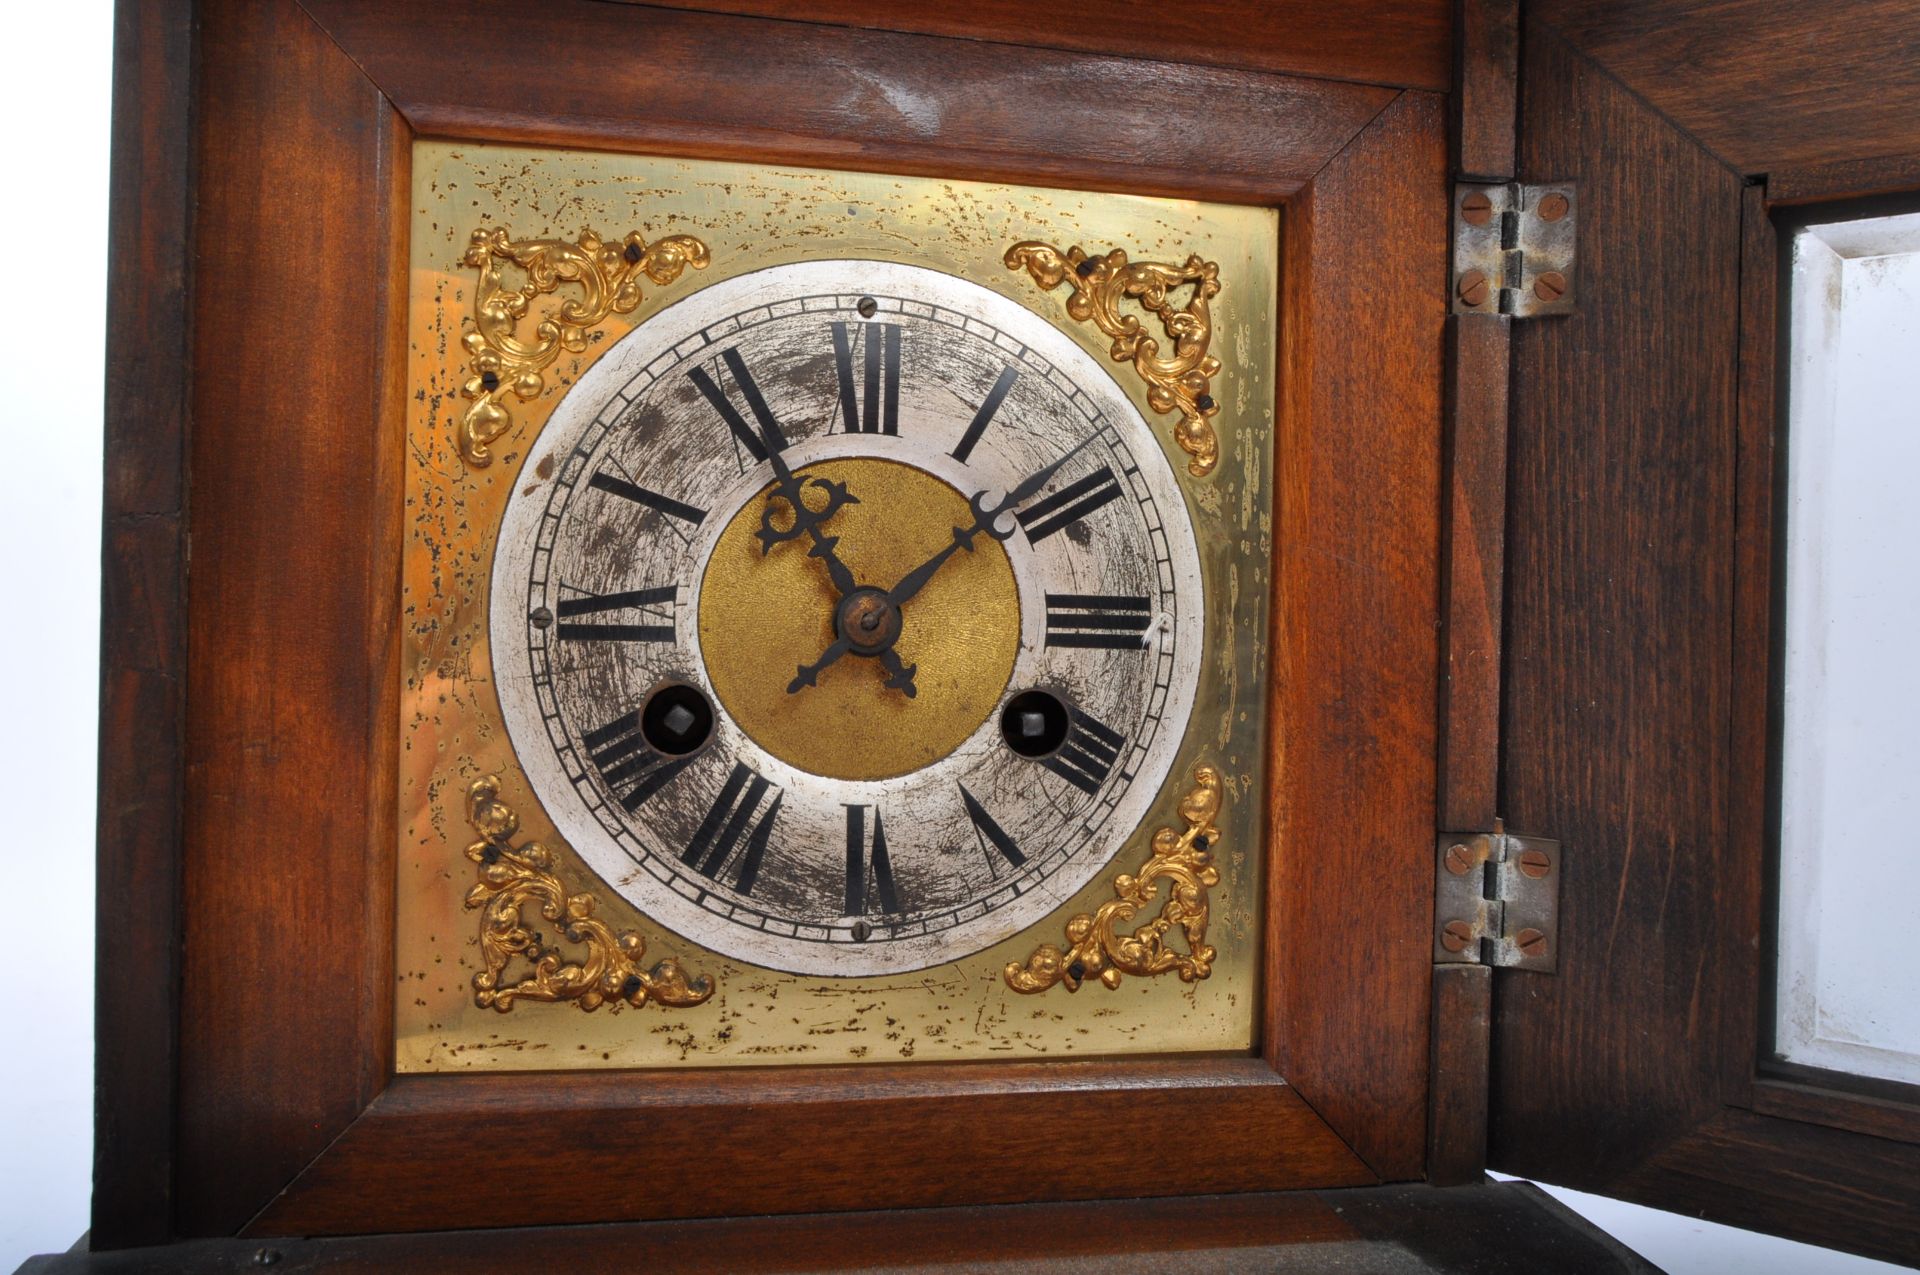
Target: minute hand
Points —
{"points": [[984, 518]]}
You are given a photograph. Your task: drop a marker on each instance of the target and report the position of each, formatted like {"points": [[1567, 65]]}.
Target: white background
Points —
{"points": [[56, 91]]}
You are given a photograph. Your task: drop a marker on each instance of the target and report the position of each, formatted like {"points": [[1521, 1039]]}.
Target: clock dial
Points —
{"points": [[848, 617]]}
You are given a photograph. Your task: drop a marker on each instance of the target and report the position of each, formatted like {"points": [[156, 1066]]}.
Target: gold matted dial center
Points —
{"points": [[764, 615]]}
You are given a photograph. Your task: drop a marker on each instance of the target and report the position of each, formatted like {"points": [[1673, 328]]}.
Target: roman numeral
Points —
{"points": [[861, 857], [657, 628], [990, 833], [1068, 505], [1087, 755], [758, 442], [633, 772], [1098, 620], [651, 499], [878, 410], [730, 824], [984, 417]]}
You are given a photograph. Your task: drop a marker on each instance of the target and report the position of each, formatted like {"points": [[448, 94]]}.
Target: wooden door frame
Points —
{"points": [[1635, 729], [257, 337]]}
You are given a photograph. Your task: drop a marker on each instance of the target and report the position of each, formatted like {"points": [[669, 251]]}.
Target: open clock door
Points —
{"points": [[1645, 594]]}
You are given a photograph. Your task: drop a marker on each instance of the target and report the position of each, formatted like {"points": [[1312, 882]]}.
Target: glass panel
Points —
{"points": [[1848, 979]]}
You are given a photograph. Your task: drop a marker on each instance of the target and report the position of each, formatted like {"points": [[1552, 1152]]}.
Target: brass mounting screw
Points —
{"points": [[1534, 864], [1459, 859], [1473, 288], [1531, 942], [1456, 935], [1550, 286], [1476, 209], [1553, 207]]}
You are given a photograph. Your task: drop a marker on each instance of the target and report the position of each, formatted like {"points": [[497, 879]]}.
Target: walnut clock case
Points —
{"points": [[817, 622]]}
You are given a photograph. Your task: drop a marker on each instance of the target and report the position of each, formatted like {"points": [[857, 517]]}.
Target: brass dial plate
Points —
{"points": [[966, 623], [451, 730]]}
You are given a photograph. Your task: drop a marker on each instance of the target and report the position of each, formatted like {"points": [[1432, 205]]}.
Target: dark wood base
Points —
{"points": [[1486, 1229]]}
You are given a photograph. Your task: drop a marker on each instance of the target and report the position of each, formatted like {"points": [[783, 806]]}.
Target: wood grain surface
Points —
{"points": [[1637, 679], [1787, 1177], [1762, 84], [1395, 42], [1355, 647], [286, 1017], [1386, 1228], [667, 82], [1475, 570], [762, 1140], [1486, 94], [1619, 660], [143, 626], [1750, 796], [1457, 1120], [1843, 179], [285, 1014]]}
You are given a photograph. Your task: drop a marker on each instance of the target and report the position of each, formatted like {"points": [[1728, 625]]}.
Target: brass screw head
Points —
{"points": [[1456, 935], [1476, 209], [1473, 288], [1531, 942], [1534, 864], [1553, 207], [1459, 859], [1550, 286]]}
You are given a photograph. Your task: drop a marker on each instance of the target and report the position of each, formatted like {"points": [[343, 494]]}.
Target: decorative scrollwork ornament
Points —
{"points": [[1182, 383], [609, 276], [511, 877], [1095, 946]]}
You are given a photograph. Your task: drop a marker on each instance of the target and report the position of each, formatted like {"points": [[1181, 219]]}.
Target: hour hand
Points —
{"points": [[806, 520], [899, 677], [789, 491], [809, 674]]}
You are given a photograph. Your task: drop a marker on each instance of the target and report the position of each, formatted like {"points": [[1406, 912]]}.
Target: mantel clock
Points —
{"points": [[783, 617], [746, 631], [833, 606]]}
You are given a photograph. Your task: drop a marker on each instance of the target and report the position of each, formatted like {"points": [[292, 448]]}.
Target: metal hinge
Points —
{"points": [[1513, 248], [1497, 900]]}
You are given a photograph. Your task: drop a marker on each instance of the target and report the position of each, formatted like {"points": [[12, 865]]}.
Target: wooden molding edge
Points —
{"points": [[813, 1139], [851, 98]]}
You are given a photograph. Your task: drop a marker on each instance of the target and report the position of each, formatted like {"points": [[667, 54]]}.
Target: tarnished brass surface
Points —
{"points": [[608, 276], [450, 727], [1096, 947], [1182, 383], [515, 876], [762, 615]]}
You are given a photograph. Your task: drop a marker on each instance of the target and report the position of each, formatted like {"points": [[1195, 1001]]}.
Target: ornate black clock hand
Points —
{"points": [[809, 674], [899, 676], [984, 519], [789, 488]]}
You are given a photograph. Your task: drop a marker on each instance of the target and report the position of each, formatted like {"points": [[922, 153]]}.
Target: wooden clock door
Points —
{"points": [[1644, 602]]}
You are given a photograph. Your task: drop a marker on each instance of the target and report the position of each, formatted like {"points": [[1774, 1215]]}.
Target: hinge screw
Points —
{"points": [[1550, 286], [1530, 942], [1473, 288], [1534, 864], [1456, 936], [1476, 209], [1459, 859], [1553, 208]]}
